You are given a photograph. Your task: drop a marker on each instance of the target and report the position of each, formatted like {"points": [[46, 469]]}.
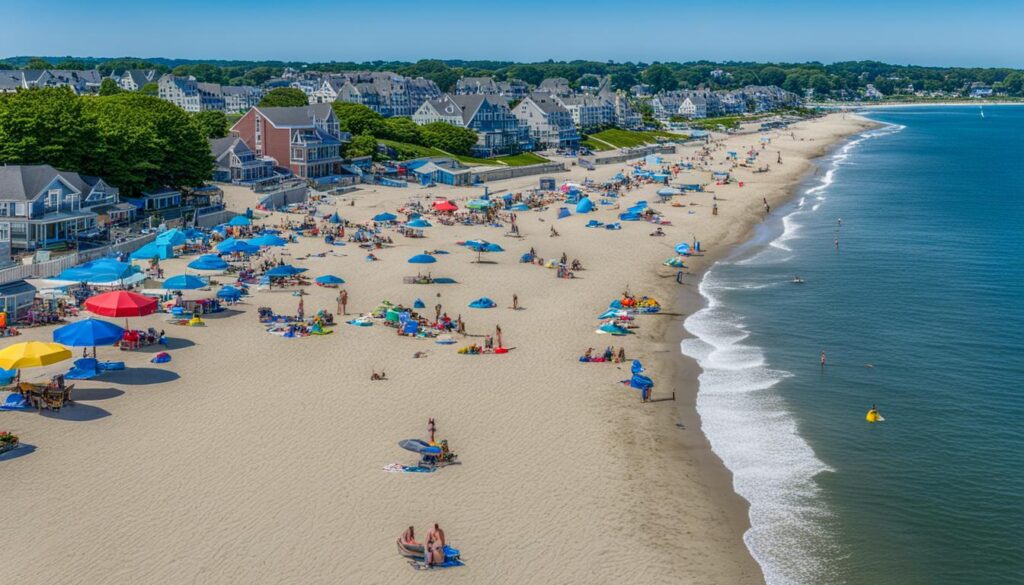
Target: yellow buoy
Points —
{"points": [[873, 416]]}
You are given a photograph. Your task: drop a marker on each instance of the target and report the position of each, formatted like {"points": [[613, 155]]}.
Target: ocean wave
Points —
{"points": [[751, 428]]}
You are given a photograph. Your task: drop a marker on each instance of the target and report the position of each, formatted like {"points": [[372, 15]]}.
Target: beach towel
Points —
{"points": [[15, 402], [399, 468]]}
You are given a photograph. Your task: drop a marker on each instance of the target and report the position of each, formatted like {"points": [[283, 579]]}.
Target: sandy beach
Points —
{"points": [[252, 458]]}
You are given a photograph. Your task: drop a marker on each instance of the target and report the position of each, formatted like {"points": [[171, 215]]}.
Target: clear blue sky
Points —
{"points": [[940, 32]]}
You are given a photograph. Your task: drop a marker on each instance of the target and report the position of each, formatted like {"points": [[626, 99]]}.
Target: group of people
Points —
{"points": [[609, 355], [433, 546]]}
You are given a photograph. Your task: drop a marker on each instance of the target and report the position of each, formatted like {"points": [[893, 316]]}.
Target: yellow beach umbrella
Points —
{"points": [[32, 354]]}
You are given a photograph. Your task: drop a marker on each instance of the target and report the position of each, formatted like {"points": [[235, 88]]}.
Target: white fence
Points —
{"points": [[56, 266]]}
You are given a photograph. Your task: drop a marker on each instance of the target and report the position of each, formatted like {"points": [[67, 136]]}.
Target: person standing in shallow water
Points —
{"points": [[823, 358]]}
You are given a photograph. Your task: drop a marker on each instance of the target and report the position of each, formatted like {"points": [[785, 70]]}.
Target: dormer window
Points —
{"points": [[53, 198]]}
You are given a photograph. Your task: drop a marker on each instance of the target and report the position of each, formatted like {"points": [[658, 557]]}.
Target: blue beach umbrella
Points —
{"points": [[422, 259], [267, 241], [329, 279], [174, 237], [385, 217], [208, 262], [88, 333], [230, 293], [683, 248], [419, 223], [238, 247], [239, 221], [184, 282], [284, 270], [482, 303]]}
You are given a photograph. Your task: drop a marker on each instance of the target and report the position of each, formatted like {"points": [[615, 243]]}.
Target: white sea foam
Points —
{"points": [[750, 426]]}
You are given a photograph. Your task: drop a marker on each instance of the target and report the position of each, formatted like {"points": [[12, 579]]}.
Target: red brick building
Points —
{"points": [[305, 139]]}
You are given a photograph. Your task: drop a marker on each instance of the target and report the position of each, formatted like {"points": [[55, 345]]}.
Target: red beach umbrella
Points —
{"points": [[121, 303], [444, 205]]}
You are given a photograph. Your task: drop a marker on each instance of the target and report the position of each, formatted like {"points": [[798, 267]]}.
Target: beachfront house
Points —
{"points": [[235, 162], [550, 124], [304, 139], [239, 98], [555, 86], [694, 105], [41, 207], [384, 92], [498, 130]]}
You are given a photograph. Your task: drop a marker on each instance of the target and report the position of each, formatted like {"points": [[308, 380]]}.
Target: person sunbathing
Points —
{"points": [[409, 536]]}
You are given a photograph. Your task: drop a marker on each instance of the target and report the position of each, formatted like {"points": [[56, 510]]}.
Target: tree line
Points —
{"points": [[133, 141], [842, 79]]}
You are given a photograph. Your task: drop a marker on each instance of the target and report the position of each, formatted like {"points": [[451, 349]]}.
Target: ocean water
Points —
{"points": [[920, 310]]}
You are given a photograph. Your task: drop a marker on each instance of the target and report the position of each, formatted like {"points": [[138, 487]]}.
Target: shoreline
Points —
{"points": [[686, 371]]}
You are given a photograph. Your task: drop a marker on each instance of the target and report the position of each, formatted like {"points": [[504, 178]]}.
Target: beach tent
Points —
{"points": [[284, 270], [103, 270], [594, 224], [267, 241], [478, 204], [184, 282], [668, 191], [445, 206], [385, 217], [229, 293], [237, 247], [154, 249], [482, 303], [174, 237], [612, 329], [410, 327], [208, 262], [613, 226], [631, 216], [563, 212], [683, 248], [675, 262], [335, 218], [419, 223], [329, 279], [641, 382], [239, 221], [520, 207], [585, 205], [422, 259], [419, 446], [419, 304]]}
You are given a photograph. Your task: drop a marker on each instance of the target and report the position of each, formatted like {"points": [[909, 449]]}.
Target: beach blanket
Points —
{"points": [[15, 402], [399, 468]]}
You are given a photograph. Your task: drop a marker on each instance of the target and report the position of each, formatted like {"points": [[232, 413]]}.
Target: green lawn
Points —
{"points": [[407, 151], [628, 138], [726, 121]]}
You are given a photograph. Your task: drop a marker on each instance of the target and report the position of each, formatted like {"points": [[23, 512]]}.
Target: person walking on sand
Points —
{"points": [[437, 312], [343, 301], [515, 302], [497, 334]]}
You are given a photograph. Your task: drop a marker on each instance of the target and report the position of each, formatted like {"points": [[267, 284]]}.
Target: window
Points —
{"points": [[5, 208], [53, 198], [19, 209], [5, 232]]}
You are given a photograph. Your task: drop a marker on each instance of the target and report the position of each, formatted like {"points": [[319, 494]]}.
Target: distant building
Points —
{"points": [[189, 94], [306, 139], [239, 98], [588, 112], [498, 130], [136, 79], [555, 86], [550, 124], [511, 90], [386, 93]]}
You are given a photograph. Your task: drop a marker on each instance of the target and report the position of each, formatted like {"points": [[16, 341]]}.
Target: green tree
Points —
{"points": [[820, 84], [212, 123], [401, 130], [72, 64], [449, 138], [109, 87], [283, 97], [1013, 84], [362, 145], [45, 126], [150, 88], [588, 81], [623, 80], [773, 76], [660, 78], [145, 142], [37, 63], [358, 119]]}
